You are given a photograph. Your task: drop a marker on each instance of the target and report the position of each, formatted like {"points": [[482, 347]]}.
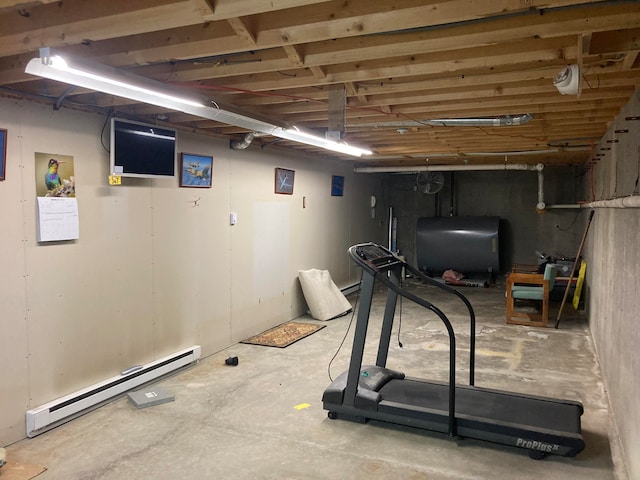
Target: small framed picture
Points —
{"points": [[3, 152], [337, 185], [284, 181], [196, 170]]}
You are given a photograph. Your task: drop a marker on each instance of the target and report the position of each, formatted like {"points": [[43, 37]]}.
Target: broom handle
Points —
{"points": [[575, 264]]}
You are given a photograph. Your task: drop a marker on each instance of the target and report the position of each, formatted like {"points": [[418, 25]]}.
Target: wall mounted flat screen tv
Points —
{"points": [[140, 150]]}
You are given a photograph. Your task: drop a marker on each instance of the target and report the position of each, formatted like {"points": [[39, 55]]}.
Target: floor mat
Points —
{"points": [[284, 335], [20, 471]]}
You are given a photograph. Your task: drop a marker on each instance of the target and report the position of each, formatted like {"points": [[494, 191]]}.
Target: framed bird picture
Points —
{"points": [[54, 175], [3, 152]]}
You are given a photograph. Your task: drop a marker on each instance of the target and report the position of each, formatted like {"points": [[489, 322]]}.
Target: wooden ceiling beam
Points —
{"points": [[73, 22], [486, 95], [479, 108], [240, 25], [225, 9], [201, 41], [337, 19], [401, 62], [450, 60], [294, 54], [630, 60], [615, 41], [551, 24]]}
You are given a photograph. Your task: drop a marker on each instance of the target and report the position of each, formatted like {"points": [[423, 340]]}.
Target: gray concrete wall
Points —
{"points": [[613, 289], [510, 195]]}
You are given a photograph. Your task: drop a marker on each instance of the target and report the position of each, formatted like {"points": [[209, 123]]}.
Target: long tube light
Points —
{"points": [[103, 78], [297, 135]]}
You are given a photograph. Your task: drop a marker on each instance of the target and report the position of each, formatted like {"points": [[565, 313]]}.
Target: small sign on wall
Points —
{"points": [[115, 180]]}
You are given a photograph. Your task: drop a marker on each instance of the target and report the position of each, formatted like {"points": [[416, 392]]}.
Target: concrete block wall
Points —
{"points": [[612, 252], [509, 194]]}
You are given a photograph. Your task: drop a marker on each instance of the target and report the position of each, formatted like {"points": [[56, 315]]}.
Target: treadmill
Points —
{"points": [[543, 426]]}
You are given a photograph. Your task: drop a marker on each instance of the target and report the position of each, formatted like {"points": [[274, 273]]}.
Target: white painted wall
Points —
{"points": [[612, 252], [157, 268]]}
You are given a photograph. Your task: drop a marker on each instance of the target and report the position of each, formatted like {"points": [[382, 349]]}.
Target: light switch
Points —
{"points": [[233, 218]]}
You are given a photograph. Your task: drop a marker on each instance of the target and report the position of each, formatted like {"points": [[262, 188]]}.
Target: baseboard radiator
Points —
{"points": [[349, 289], [59, 411]]}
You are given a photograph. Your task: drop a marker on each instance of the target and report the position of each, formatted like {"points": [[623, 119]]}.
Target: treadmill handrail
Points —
{"points": [[452, 346], [393, 261], [472, 316]]}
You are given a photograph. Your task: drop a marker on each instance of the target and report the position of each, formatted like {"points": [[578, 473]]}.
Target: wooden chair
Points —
{"points": [[525, 268], [529, 286]]}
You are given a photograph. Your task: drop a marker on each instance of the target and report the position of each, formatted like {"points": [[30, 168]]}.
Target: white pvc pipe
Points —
{"points": [[449, 168], [540, 205], [632, 201], [564, 205]]}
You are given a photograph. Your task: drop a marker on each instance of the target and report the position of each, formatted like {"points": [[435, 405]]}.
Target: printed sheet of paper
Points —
{"points": [[58, 219]]}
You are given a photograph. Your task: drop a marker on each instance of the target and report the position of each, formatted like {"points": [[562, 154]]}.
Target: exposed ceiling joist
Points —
{"points": [[397, 61]]}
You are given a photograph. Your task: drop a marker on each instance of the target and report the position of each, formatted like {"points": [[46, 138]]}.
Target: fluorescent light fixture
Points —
{"points": [[297, 135], [109, 80], [103, 78]]}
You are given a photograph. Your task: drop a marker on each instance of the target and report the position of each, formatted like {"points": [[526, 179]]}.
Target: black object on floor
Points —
{"points": [[231, 361]]}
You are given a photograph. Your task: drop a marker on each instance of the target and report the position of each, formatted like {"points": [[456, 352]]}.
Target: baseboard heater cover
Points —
{"points": [[349, 289], [61, 410]]}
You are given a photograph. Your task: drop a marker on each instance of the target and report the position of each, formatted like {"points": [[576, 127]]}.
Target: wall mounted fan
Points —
{"points": [[429, 182]]}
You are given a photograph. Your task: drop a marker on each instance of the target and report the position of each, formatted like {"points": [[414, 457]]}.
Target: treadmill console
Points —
{"points": [[374, 257]]}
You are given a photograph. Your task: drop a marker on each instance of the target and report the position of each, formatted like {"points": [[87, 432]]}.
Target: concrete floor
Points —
{"points": [[252, 421]]}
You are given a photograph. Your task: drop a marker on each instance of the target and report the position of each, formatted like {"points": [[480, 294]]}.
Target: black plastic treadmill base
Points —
{"points": [[537, 424], [560, 444]]}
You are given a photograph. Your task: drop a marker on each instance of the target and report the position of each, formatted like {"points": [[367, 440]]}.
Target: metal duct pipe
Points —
{"points": [[243, 143], [449, 168], [499, 121], [502, 121]]}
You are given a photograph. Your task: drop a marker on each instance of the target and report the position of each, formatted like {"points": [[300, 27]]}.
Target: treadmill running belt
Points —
{"points": [[488, 404]]}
